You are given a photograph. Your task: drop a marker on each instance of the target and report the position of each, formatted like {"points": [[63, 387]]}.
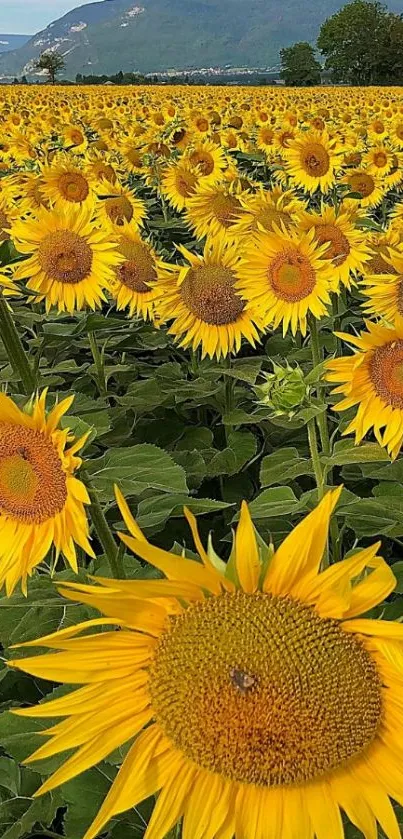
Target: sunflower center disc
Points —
{"points": [[4, 224], [338, 247], [138, 270], [119, 209], [74, 187], [268, 216], [204, 161], [209, 293], [32, 482], [291, 276], [315, 160], [386, 371], [377, 264], [362, 183], [380, 159], [225, 208], [65, 256], [263, 691]]}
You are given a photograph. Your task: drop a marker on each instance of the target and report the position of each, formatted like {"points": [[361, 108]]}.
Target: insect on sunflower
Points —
{"points": [[260, 702]]}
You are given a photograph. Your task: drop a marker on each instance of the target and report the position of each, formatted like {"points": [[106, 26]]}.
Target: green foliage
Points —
{"points": [[363, 44], [52, 62], [299, 65]]}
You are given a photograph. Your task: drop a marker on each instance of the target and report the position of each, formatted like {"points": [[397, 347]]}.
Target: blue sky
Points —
{"points": [[25, 17]]}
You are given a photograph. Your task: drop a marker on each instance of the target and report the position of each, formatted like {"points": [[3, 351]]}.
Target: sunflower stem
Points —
{"points": [[14, 348], [104, 532], [315, 456], [99, 365], [321, 419]]}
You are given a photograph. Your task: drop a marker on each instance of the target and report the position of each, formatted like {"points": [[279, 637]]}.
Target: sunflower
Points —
{"points": [[202, 301], [379, 245], [208, 158], [70, 261], [117, 204], [214, 209], [41, 501], [346, 246], [267, 208], [265, 138], [135, 276], [286, 274], [260, 701], [179, 182], [132, 155], [74, 137], [369, 189], [312, 160], [379, 160], [385, 292], [64, 182], [372, 379]]}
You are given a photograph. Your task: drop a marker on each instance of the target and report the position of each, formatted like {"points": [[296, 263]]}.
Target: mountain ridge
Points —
{"points": [[150, 36]]}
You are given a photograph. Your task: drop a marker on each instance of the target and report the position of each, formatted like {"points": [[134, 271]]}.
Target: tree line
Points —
{"points": [[362, 44]]}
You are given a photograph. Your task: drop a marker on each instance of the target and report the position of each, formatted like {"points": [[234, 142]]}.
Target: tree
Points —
{"points": [[299, 65], [52, 62], [363, 44]]}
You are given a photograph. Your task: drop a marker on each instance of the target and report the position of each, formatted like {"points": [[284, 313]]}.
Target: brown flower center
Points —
{"points": [[338, 246], [386, 372], [203, 160], [65, 256], [139, 268], [261, 690], [32, 482], [225, 209], [208, 292], [315, 160], [119, 209], [362, 183], [291, 276], [73, 187]]}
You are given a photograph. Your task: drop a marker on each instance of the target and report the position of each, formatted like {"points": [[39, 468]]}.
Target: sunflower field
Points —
{"points": [[201, 478]]}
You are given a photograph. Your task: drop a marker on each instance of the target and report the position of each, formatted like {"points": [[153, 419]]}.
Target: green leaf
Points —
{"points": [[397, 569], [283, 465], [279, 501], [143, 396], [157, 510], [345, 453], [136, 469], [84, 796], [19, 815], [10, 775]]}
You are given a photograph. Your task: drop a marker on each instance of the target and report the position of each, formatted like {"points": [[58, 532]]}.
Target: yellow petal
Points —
{"points": [[247, 552], [301, 552]]}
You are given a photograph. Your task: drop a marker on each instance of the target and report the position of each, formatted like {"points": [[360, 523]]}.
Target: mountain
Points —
{"points": [[154, 35], [12, 42]]}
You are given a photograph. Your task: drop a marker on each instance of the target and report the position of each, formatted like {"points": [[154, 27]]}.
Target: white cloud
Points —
{"points": [[29, 16]]}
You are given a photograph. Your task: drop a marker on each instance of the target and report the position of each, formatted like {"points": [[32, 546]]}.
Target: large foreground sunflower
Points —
{"points": [[372, 379], [202, 301], [41, 501], [261, 704], [70, 260]]}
